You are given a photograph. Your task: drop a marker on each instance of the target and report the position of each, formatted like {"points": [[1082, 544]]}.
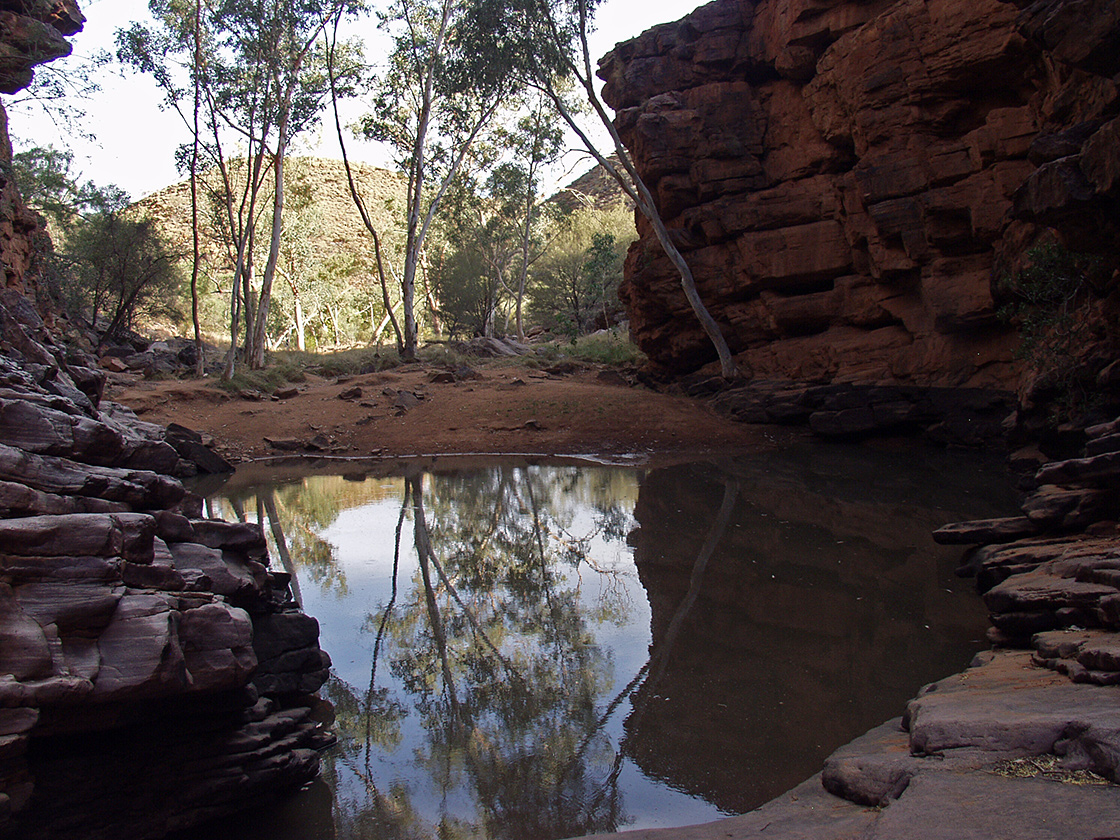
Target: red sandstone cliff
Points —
{"points": [[31, 33], [842, 176]]}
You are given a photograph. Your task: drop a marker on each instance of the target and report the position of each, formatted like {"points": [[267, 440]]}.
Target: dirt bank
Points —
{"points": [[419, 409]]}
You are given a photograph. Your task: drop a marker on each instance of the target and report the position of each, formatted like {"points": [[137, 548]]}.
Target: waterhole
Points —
{"points": [[532, 649]]}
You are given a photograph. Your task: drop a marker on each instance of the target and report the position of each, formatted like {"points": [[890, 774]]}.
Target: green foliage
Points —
{"points": [[612, 347], [576, 281], [494, 226], [108, 265], [1049, 304], [342, 363], [441, 354], [1050, 307], [266, 380], [122, 267], [48, 183], [469, 294]]}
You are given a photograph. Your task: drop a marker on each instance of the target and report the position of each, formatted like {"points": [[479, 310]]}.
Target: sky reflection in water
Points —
{"points": [[547, 651]]}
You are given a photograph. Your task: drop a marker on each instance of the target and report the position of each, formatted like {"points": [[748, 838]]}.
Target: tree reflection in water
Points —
{"points": [[494, 678], [493, 665], [499, 661]]}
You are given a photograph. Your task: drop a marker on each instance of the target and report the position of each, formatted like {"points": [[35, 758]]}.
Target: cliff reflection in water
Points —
{"points": [[500, 672], [823, 606]]}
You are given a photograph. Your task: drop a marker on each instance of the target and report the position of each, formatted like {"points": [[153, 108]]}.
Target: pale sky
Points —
{"points": [[136, 141]]}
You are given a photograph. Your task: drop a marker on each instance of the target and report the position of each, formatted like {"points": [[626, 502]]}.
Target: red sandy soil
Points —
{"points": [[506, 409]]}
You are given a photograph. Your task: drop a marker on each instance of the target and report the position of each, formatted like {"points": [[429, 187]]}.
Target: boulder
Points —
{"points": [[217, 645], [140, 651], [985, 531], [142, 489]]}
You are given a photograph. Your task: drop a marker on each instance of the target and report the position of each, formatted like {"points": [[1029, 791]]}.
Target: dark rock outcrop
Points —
{"points": [[849, 180], [140, 644], [154, 672], [957, 416]]}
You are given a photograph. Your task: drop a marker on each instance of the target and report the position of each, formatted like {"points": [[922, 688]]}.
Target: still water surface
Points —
{"points": [[533, 650]]}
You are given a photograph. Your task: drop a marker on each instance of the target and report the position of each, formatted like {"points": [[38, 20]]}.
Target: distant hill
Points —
{"points": [[594, 187], [333, 225], [319, 186]]}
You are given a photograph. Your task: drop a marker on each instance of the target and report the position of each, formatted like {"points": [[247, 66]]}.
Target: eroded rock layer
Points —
{"points": [[154, 672], [849, 180]]}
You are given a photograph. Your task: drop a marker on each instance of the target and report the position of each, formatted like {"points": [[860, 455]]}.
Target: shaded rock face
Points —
{"points": [[32, 32], [154, 672], [847, 180]]}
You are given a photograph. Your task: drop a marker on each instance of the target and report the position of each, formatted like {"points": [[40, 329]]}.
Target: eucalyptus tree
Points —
{"points": [[345, 71], [536, 143], [177, 45], [441, 88], [575, 284], [479, 239], [258, 80], [274, 82], [548, 41]]}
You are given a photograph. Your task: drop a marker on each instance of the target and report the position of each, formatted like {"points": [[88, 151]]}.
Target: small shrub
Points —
{"points": [[1050, 308], [549, 352], [298, 364], [1048, 305], [247, 380], [608, 347], [441, 354]]}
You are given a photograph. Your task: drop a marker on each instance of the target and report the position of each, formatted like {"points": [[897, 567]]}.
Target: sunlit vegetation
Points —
{"points": [[260, 251]]}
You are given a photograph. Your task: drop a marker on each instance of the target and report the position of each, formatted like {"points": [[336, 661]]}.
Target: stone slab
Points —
{"points": [[986, 806]]}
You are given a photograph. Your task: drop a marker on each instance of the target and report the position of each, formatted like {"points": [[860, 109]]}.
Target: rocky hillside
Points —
{"points": [[595, 187], [849, 180], [321, 183], [318, 197]]}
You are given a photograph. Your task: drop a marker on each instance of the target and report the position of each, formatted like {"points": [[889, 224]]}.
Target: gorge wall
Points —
{"points": [[849, 180], [154, 671]]}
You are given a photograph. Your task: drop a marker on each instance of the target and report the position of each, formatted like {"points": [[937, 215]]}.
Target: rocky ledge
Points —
{"points": [[154, 671]]}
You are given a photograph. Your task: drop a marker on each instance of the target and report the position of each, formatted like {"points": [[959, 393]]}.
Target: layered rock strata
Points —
{"points": [[154, 671], [32, 32], [849, 181]]}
